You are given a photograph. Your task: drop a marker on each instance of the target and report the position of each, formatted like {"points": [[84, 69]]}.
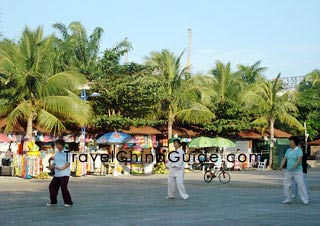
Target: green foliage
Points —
{"points": [[226, 84], [76, 50], [308, 103], [270, 104], [122, 97], [40, 76], [185, 97], [251, 73], [230, 118], [32, 91]]}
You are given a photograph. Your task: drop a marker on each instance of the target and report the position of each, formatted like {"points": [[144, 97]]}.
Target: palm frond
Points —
{"points": [[22, 111], [197, 113], [49, 122], [291, 121], [68, 107], [66, 80]]}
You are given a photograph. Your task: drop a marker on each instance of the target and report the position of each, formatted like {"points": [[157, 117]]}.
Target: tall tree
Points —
{"points": [[271, 105], [185, 96], [226, 84], [76, 50], [32, 92], [308, 103], [251, 73], [314, 77], [126, 96]]}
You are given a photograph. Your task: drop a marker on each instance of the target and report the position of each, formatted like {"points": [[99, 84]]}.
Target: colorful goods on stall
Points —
{"points": [[146, 141], [33, 149], [137, 168], [136, 154], [160, 169], [164, 142]]}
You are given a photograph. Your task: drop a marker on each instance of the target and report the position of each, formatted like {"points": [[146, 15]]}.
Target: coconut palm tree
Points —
{"points": [[76, 49], [185, 96], [251, 73], [265, 96], [33, 93], [226, 84], [314, 77]]}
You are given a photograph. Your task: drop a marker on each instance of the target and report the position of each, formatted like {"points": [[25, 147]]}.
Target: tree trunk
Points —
{"points": [[29, 126], [272, 120], [170, 124]]}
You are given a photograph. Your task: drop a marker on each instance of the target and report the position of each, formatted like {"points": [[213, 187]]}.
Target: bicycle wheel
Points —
{"points": [[208, 177], [224, 177]]}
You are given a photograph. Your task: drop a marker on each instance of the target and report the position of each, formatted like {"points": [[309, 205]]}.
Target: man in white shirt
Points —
{"points": [[176, 171], [61, 168]]}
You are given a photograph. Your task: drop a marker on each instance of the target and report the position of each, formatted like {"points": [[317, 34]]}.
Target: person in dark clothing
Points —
{"points": [[61, 167]]}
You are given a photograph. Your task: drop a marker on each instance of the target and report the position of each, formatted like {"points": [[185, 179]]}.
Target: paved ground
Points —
{"points": [[251, 198]]}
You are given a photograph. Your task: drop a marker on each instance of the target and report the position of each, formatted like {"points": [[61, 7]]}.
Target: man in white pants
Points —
{"points": [[176, 171], [293, 157]]}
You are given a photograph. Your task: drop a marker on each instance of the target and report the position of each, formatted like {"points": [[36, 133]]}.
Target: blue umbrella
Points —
{"points": [[113, 138]]}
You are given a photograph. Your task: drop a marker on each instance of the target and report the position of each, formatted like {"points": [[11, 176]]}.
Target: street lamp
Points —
{"points": [[84, 89]]}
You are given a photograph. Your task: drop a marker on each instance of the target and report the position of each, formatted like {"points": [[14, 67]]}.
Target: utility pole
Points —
{"points": [[189, 51]]}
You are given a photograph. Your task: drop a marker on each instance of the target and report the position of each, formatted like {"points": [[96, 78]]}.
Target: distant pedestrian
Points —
{"points": [[176, 171], [293, 157], [61, 168]]}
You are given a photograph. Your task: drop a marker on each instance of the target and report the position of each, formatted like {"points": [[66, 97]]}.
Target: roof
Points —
{"points": [[146, 130], [249, 134], [182, 132], [277, 133], [315, 142]]}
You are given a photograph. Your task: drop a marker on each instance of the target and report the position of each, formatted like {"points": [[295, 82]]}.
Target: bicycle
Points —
{"points": [[211, 173]]}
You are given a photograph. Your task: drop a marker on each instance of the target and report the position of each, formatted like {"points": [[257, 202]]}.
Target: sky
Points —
{"points": [[283, 34]]}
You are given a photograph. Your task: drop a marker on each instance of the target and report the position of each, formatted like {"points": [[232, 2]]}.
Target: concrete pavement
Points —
{"points": [[251, 198]]}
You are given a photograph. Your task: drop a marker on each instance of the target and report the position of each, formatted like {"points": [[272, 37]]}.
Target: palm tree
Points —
{"points": [[76, 50], [33, 93], [250, 74], [271, 106], [226, 84], [314, 77], [184, 96]]}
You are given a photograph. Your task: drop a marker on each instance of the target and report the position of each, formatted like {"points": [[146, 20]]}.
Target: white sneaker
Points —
{"points": [[67, 205], [50, 204], [286, 202]]}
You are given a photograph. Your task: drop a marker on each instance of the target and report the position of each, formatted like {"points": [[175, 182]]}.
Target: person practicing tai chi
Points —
{"points": [[293, 157], [61, 168], [176, 171]]}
